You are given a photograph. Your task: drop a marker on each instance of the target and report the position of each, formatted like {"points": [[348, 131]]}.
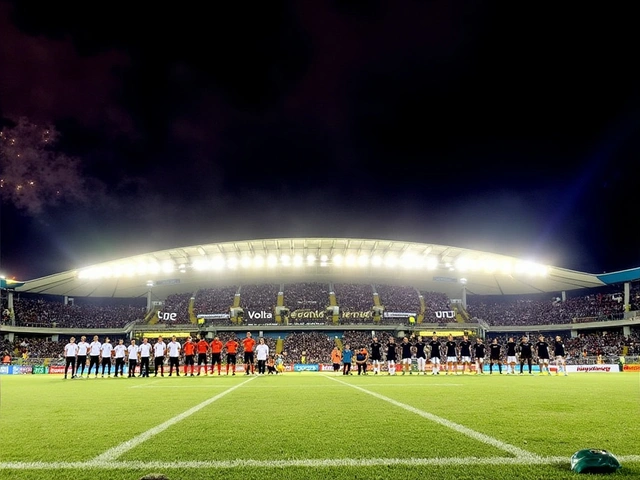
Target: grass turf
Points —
{"points": [[311, 425]]}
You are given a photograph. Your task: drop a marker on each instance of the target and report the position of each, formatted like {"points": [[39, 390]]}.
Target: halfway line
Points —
{"points": [[481, 437], [118, 450]]}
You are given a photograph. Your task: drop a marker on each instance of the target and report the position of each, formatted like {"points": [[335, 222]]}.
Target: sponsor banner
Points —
{"points": [[167, 316], [525, 369], [442, 333], [261, 315], [166, 335], [357, 315], [603, 368], [306, 314], [213, 316], [445, 314], [4, 369], [56, 369], [21, 369], [40, 369], [306, 367], [399, 314], [445, 279], [632, 367], [327, 367]]}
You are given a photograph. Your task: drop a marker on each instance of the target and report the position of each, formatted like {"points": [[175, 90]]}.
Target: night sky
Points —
{"points": [[506, 127]]}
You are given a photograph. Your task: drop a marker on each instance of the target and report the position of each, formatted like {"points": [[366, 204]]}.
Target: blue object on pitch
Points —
{"points": [[593, 460]]}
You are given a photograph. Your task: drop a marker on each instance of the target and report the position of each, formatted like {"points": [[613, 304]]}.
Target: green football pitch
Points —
{"points": [[316, 425]]}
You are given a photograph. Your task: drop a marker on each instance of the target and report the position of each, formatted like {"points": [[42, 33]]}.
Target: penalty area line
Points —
{"points": [[481, 437], [118, 450], [303, 463]]}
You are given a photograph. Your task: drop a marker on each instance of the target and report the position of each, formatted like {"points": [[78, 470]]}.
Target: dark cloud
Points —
{"points": [[499, 126]]}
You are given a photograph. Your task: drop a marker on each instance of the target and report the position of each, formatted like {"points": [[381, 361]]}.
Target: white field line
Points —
{"points": [[481, 437], [418, 385], [311, 462], [145, 384], [118, 450]]}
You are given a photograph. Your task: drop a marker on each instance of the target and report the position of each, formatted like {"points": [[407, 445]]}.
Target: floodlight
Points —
{"points": [[350, 260]]}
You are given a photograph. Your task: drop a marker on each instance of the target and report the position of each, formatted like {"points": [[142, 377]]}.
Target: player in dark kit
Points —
{"points": [[526, 353], [406, 352], [479, 352], [452, 356], [465, 354], [421, 356], [376, 355], [495, 354], [542, 348], [511, 356], [558, 350], [434, 348], [392, 354]]}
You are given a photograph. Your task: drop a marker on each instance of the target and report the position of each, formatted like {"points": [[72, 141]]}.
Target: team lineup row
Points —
{"points": [[78, 355], [462, 353], [455, 354]]}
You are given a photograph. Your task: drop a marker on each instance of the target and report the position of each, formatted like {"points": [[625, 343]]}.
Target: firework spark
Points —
{"points": [[33, 174]]}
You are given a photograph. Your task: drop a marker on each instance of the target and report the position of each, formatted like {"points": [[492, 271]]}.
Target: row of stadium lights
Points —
{"points": [[407, 262]]}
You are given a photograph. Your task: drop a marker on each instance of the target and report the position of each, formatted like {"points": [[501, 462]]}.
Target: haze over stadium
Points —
{"points": [[341, 239], [493, 127]]}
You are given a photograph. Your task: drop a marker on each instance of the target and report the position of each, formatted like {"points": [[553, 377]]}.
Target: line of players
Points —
{"points": [[100, 354], [456, 354]]}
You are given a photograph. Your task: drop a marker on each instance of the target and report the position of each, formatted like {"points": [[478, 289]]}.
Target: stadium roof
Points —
{"points": [[428, 267]]}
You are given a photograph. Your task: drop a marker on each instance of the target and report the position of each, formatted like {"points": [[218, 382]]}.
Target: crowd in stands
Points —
{"points": [[313, 296], [258, 297], [315, 347], [398, 298], [52, 314], [178, 303], [551, 311], [353, 297], [215, 300]]}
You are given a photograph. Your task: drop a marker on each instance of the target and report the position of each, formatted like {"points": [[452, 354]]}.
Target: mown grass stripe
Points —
{"points": [[481, 437], [119, 450]]}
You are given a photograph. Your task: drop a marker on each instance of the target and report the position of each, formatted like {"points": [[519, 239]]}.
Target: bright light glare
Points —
{"points": [[217, 263], [432, 263], [168, 266]]}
